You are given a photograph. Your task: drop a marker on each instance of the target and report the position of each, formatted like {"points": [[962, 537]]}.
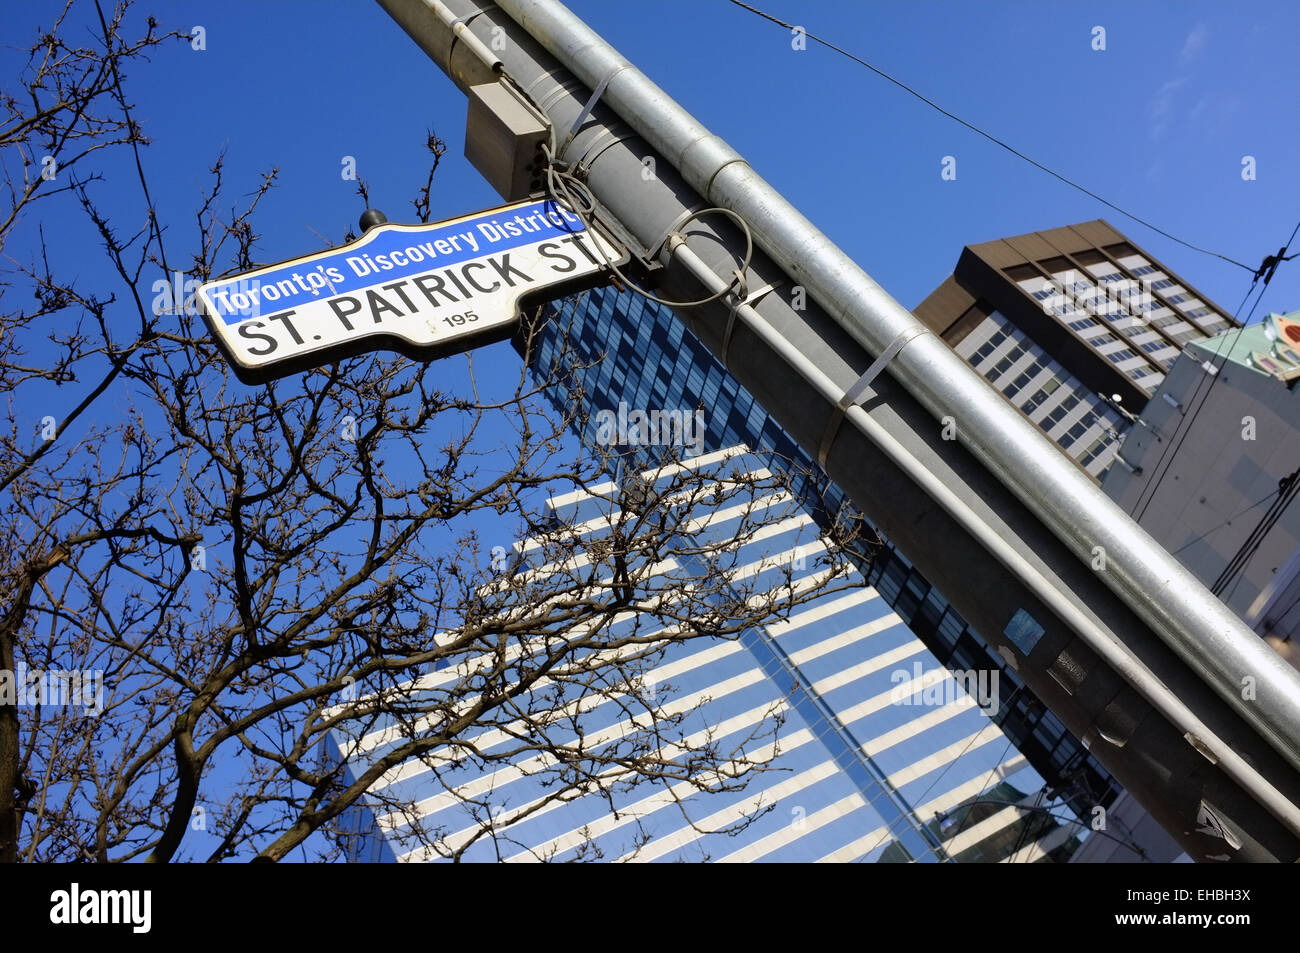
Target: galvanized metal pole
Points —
{"points": [[1199, 627], [1115, 653], [965, 524]]}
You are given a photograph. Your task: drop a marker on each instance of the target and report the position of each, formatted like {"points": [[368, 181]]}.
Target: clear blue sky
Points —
{"points": [[1158, 123]]}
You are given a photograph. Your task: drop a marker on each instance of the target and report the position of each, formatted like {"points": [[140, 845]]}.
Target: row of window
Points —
{"points": [[1040, 396], [1144, 372], [988, 347], [1079, 429], [1094, 299], [1061, 412], [1094, 450], [1130, 326], [1002, 366], [1023, 379]]}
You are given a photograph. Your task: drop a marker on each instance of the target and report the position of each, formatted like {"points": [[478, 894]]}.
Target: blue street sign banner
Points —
{"points": [[425, 290]]}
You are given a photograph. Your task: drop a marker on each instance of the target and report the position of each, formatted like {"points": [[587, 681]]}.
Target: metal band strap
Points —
{"points": [[586, 110], [531, 91], [469, 15], [854, 393], [742, 300], [611, 135], [678, 222], [559, 89], [455, 34]]}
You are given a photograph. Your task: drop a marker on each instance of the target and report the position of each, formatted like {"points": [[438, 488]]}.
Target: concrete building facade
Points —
{"points": [[1211, 469], [1076, 326]]}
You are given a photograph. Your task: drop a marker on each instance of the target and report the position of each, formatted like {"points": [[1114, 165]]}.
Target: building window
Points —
{"points": [[1095, 449]]}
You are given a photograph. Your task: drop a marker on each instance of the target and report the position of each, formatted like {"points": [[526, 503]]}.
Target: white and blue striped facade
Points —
{"points": [[876, 757]]}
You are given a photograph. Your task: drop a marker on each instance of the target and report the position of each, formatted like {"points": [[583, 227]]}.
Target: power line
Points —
{"points": [[1262, 276], [989, 136], [1170, 453], [1250, 545], [1200, 536]]}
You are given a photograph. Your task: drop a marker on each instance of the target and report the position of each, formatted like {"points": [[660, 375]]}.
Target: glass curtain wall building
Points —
{"points": [[609, 348], [875, 751], [862, 774]]}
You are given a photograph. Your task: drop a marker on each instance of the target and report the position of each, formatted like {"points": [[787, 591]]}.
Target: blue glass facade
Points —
{"points": [[608, 346], [871, 749], [881, 750]]}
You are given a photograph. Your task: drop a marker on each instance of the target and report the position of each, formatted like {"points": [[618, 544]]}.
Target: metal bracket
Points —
{"points": [[469, 15], [455, 24], [854, 393], [586, 110], [611, 135], [678, 222], [743, 300], [558, 90]]}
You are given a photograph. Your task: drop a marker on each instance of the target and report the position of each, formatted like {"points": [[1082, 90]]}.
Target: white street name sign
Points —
{"points": [[424, 290]]}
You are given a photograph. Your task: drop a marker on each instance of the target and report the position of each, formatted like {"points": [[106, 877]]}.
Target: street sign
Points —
{"points": [[424, 290]]}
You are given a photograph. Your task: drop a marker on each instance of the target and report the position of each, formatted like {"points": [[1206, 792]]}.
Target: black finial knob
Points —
{"points": [[372, 217]]}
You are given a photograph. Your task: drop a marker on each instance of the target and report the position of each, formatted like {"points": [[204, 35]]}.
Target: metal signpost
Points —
{"points": [[424, 290]]}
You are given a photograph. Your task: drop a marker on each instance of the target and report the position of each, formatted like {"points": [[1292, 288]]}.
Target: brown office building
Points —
{"points": [[1064, 321]]}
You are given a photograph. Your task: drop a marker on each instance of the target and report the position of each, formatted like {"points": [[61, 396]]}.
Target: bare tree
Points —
{"points": [[246, 575]]}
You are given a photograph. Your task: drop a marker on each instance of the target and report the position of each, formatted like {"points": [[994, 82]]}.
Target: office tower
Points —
{"points": [[1076, 326], [607, 349], [883, 754], [1211, 470]]}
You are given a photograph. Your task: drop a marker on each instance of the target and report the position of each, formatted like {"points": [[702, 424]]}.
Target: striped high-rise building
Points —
{"points": [[608, 349], [872, 749], [1076, 326], [857, 776]]}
